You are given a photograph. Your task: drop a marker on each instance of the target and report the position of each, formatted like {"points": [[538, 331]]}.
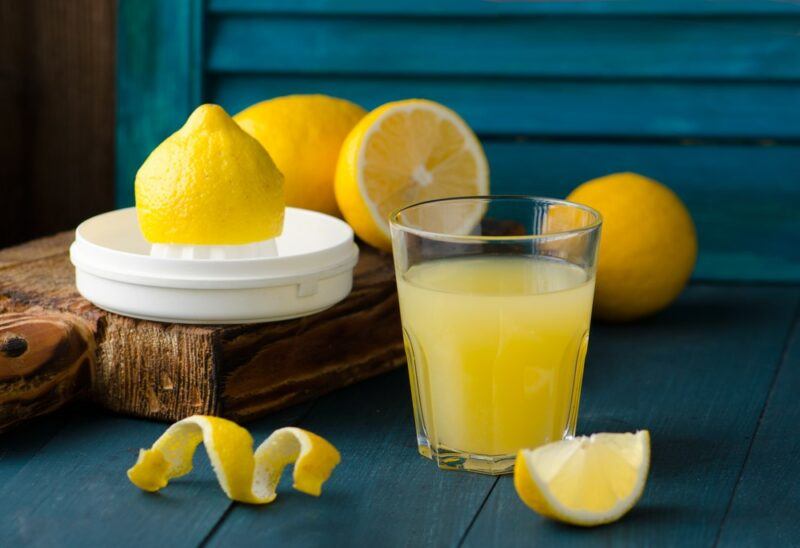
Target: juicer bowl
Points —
{"points": [[312, 271]]}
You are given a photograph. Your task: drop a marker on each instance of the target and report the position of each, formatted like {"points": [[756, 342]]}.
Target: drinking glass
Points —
{"points": [[495, 300]]}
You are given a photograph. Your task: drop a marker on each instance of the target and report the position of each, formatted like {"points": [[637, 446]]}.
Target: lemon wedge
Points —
{"points": [[587, 480], [244, 475], [405, 152]]}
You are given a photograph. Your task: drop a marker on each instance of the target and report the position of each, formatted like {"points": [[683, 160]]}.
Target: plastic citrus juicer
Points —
{"points": [[210, 240]]}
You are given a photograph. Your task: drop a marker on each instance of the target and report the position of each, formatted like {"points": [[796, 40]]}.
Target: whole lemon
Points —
{"points": [[209, 183], [303, 134], [648, 244]]}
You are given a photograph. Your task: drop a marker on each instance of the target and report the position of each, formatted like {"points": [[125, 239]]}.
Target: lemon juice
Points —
{"points": [[496, 346]]}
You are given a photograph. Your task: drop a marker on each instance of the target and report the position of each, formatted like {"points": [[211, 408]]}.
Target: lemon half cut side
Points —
{"points": [[586, 480], [406, 152]]}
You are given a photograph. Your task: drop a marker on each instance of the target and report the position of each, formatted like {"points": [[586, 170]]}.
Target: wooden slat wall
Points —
{"points": [[569, 46], [159, 72], [485, 8], [703, 95], [56, 114]]}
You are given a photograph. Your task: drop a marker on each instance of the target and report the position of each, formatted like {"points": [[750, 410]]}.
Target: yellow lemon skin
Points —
{"points": [[303, 134], [648, 245], [209, 183]]}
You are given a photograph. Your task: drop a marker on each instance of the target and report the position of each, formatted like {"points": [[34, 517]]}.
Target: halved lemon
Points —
{"points": [[244, 475], [587, 480], [405, 152]]}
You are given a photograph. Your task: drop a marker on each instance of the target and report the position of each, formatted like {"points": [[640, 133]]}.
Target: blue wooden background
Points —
{"points": [[703, 95]]}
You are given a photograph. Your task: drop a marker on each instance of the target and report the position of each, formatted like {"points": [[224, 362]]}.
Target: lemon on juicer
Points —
{"points": [[648, 245], [303, 134], [209, 183]]}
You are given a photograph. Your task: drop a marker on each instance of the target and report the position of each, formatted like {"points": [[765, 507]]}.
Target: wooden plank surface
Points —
{"points": [[467, 8], [766, 503], [697, 376], [383, 493], [554, 108], [74, 491], [622, 47], [20, 446], [159, 77]]}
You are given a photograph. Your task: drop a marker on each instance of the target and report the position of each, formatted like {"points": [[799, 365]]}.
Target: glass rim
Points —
{"points": [[478, 238]]}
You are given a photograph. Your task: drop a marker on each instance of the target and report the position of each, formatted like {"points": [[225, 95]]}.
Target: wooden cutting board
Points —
{"points": [[56, 346]]}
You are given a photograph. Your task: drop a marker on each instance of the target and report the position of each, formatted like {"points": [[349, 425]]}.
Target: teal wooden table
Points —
{"points": [[715, 378], [702, 95]]}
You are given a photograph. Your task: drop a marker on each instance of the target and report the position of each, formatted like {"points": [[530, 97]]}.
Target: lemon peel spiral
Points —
{"points": [[244, 475]]}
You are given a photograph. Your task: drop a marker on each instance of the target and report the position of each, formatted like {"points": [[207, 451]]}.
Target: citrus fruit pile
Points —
{"points": [[223, 181], [340, 160]]}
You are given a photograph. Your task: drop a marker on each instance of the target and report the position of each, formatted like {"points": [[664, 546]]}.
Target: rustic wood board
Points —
{"points": [[54, 345]]}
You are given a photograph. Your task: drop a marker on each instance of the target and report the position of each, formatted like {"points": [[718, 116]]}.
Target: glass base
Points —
{"points": [[450, 459]]}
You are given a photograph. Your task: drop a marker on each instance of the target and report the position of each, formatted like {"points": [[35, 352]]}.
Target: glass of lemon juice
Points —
{"points": [[495, 300]]}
